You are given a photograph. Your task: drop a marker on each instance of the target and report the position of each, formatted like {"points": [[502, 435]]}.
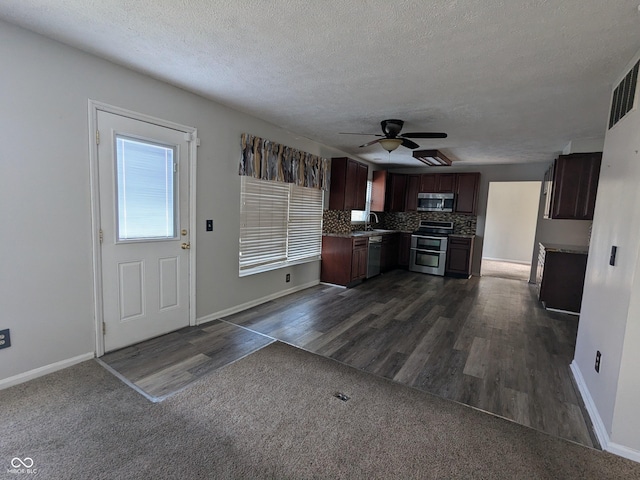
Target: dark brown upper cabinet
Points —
{"points": [[438, 182], [396, 192], [378, 190], [388, 191], [413, 188], [467, 185], [571, 185], [348, 189]]}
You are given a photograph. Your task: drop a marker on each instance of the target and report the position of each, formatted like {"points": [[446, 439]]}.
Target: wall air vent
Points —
{"points": [[624, 96]]}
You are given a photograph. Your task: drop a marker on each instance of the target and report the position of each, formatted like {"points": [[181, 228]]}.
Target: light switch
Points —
{"points": [[612, 258]]}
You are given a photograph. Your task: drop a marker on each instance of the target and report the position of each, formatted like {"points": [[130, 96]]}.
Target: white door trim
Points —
{"points": [[192, 132]]}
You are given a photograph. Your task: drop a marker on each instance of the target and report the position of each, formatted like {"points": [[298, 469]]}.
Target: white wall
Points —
{"points": [[46, 294], [512, 215], [610, 318]]}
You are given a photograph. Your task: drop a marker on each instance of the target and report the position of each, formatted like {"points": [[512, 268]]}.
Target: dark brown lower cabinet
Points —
{"points": [[459, 255], [344, 260], [389, 251], [560, 278], [404, 250], [359, 259]]}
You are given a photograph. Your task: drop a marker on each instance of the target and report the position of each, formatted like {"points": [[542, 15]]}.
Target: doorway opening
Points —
{"points": [[512, 216]]}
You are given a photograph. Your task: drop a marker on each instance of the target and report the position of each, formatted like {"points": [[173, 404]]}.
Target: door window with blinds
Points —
{"points": [[280, 225]]}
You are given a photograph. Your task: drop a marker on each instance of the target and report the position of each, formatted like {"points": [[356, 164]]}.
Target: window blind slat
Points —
{"points": [[305, 223], [280, 224]]}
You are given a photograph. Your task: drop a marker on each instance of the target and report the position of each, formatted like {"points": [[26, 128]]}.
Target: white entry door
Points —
{"points": [[144, 220]]}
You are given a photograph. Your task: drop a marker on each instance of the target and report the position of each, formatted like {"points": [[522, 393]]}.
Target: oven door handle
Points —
{"points": [[428, 251]]}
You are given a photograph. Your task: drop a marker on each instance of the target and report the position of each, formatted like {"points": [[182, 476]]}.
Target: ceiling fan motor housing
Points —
{"points": [[391, 128]]}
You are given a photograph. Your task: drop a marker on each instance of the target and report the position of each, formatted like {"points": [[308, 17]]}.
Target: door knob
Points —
{"points": [[186, 246]]}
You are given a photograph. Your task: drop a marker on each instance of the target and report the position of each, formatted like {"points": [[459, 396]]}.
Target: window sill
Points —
{"points": [[275, 266]]}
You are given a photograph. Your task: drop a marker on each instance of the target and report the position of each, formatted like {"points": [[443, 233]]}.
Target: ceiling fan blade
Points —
{"points": [[409, 144], [368, 134], [425, 135], [370, 143]]}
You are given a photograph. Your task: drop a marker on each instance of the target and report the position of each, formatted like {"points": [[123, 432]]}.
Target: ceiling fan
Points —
{"points": [[392, 138]]}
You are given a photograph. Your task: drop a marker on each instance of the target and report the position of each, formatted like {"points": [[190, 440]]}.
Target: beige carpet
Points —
{"points": [[514, 271], [273, 415]]}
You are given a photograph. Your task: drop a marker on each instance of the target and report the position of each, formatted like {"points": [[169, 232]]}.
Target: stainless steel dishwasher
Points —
{"points": [[373, 262]]}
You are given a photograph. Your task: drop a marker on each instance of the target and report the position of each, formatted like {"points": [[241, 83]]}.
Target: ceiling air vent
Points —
{"points": [[624, 96]]}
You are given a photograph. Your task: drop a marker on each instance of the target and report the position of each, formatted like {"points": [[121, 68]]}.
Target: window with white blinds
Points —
{"points": [[280, 225]]}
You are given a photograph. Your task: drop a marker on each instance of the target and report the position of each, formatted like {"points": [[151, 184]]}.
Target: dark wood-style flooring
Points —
{"points": [[164, 365], [485, 342]]}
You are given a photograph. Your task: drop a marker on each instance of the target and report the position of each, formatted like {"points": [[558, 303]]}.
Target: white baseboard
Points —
{"points": [[623, 451], [506, 260], [245, 306], [577, 314], [41, 371], [598, 425]]}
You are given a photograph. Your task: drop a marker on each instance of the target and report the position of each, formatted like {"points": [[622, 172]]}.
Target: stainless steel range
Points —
{"points": [[429, 247]]}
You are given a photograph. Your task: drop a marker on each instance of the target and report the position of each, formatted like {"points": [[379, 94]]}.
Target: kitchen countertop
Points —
{"points": [[460, 235], [360, 233], [371, 233], [557, 247]]}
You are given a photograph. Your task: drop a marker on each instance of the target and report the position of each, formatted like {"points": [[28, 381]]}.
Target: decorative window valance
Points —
{"points": [[268, 160]]}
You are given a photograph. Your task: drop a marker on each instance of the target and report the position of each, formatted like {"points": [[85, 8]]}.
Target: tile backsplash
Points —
{"points": [[409, 221], [338, 221]]}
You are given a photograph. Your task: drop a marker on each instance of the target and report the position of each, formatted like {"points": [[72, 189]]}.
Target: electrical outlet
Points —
{"points": [[5, 339], [598, 356], [288, 278]]}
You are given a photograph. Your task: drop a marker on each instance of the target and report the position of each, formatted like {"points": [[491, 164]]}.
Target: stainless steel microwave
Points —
{"points": [[435, 202]]}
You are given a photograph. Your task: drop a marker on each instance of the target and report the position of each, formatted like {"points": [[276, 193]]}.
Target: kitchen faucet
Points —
{"points": [[367, 226]]}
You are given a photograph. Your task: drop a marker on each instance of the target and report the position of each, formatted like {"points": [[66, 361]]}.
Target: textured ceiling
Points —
{"points": [[509, 80]]}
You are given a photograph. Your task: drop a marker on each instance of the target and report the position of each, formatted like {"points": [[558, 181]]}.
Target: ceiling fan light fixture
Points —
{"points": [[390, 144], [433, 158]]}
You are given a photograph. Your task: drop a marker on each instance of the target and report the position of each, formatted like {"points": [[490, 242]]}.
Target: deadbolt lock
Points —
{"points": [[183, 232]]}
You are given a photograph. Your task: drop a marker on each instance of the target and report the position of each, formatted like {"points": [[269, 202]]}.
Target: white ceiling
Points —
{"points": [[509, 80]]}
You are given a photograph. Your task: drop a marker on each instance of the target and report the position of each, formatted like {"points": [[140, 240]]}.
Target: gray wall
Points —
{"points": [[46, 292]]}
